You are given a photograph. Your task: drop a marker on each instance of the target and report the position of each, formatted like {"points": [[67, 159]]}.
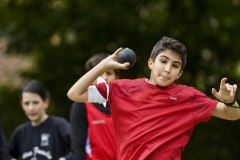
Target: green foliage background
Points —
{"points": [[60, 35]]}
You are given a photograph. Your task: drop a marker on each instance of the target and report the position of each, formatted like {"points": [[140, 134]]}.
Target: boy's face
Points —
{"points": [[165, 69], [34, 107], [109, 75]]}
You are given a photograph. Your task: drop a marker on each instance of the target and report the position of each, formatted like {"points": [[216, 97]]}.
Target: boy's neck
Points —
{"points": [[40, 121], [149, 82]]}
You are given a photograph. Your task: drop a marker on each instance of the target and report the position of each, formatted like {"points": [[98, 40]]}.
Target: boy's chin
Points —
{"points": [[33, 118]]}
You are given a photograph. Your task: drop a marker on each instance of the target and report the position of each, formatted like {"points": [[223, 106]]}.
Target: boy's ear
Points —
{"points": [[46, 103], [179, 74], [150, 63]]}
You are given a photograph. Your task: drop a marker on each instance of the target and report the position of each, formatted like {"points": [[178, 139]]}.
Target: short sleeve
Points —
{"points": [[98, 93], [102, 88], [203, 107]]}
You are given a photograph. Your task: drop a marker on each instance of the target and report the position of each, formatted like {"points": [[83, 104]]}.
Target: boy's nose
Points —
{"points": [[168, 68], [30, 107]]}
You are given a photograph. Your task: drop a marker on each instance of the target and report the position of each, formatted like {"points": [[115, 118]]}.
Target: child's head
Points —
{"points": [[171, 44], [34, 100], [167, 61], [97, 58]]}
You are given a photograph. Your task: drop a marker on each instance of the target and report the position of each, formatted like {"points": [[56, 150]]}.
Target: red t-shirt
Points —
{"points": [[154, 123], [102, 139]]}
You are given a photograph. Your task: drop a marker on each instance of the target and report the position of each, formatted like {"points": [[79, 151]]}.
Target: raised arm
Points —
{"points": [[79, 91], [228, 107]]}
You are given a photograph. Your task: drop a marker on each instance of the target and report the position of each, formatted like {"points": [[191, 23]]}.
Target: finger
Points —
{"points": [[231, 91], [124, 65], [222, 84], [228, 86], [214, 92], [235, 87], [117, 51]]}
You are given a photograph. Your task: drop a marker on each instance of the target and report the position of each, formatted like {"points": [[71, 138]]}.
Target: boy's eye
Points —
{"points": [[109, 73], [26, 103], [163, 61], [35, 102], [176, 66]]}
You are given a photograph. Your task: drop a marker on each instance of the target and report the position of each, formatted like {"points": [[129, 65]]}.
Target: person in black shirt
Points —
{"points": [[44, 137]]}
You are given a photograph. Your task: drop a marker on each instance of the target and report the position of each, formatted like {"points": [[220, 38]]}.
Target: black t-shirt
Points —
{"points": [[49, 140]]}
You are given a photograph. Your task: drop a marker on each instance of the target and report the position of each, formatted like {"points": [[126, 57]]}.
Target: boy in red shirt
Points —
{"points": [[155, 117]]}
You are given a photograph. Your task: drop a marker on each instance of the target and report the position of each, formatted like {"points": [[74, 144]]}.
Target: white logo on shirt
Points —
{"points": [[45, 139], [36, 150], [173, 98], [101, 121]]}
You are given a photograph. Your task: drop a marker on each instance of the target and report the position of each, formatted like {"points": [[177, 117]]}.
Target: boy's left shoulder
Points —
{"points": [[127, 82], [58, 120], [185, 88]]}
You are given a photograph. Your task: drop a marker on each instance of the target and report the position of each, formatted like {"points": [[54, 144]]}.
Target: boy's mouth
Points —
{"points": [[164, 77]]}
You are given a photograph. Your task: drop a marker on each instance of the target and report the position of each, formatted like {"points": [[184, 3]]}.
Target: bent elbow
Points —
{"points": [[71, 95], [77, 97]]}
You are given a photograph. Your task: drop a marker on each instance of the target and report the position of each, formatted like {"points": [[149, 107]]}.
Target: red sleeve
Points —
{"points": [[102, 88], [203, 107]]}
